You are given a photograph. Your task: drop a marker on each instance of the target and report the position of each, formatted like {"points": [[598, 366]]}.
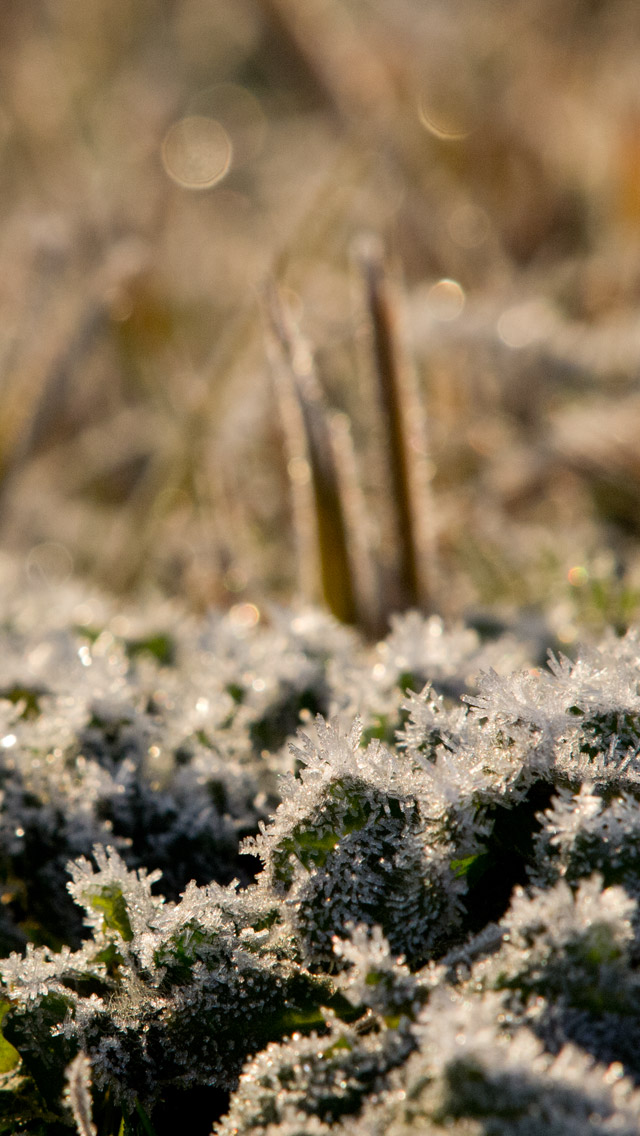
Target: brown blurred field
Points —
{"points": [[161, 162]]}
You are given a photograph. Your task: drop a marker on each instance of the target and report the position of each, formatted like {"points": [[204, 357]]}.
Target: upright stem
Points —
{"points": [[404, 434]]}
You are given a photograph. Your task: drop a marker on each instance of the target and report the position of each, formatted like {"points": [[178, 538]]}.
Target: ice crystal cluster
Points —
{"points": [[259, 874]]}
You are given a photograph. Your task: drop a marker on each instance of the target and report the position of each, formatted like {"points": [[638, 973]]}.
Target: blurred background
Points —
{"points": [[162, 160]]}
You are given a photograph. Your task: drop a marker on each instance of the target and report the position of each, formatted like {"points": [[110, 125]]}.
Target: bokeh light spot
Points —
{"points": [[196, 152], [239, 113], [244, 616], [444, 118], [578, 576], [445, 300], [49, 563], [525, 323]]}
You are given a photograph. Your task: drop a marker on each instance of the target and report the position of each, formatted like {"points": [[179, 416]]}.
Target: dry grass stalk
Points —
{"points": [[330, 515], [311, 437], [281, 357], [403, 432], [365, 571], [331, 47]]}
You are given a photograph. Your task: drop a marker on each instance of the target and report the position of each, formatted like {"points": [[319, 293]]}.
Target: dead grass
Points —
{"points": [[496, 146]]}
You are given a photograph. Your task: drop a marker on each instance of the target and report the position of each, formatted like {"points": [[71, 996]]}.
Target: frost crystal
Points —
{"points": [[325, 887]]}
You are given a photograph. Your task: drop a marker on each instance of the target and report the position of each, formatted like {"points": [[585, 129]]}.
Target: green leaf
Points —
{"points": [[9, 1056], [147, 1126], [463, 867], [111, 902], [160, 646], [26, 696]]}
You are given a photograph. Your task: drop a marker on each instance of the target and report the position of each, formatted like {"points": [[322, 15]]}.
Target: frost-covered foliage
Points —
{"points": [[261, 874], [357, 837]]}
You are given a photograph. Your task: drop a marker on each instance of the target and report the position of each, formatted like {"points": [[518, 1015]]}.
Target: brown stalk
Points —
{"points": [[403, 433], [332, 49], [312, 423], [281, 356], [364, 572]]}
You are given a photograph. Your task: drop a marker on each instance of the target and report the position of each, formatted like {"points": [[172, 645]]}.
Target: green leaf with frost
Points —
{"points": [[9, 1056], [111, 902]]}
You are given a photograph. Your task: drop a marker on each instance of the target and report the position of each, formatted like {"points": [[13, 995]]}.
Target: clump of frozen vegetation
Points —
{"points": [[261, 874]]}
